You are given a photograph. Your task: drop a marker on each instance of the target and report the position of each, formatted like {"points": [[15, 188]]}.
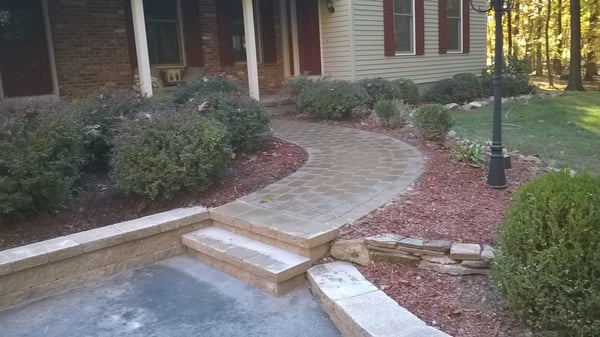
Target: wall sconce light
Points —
{"points": [[330, 6]]}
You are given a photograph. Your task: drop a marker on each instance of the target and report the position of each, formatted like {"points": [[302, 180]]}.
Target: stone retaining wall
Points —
{"points": [[442, 256], [36, 270]]}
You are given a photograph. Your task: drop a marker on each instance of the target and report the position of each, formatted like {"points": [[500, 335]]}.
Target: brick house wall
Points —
{"points": [[92, 48], [90, 45]]}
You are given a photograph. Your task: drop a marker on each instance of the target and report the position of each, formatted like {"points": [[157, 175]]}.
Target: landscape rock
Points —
{"points": [[476, 264], [452, 269], [451, 106], [411, 243], [465, 251], [394, 258], [420, 251], [439, 259], [438, 245], [487, 254], [387, 240], [352, 251], [475, 104]]}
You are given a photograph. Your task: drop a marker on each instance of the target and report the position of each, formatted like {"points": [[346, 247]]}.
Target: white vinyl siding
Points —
{"points": [[368, 60]]}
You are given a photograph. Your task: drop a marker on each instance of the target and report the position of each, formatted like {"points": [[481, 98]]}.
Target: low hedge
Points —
{"points": [[332, 99]]}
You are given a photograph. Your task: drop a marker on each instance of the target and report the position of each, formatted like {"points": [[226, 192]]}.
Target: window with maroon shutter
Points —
{"points": [[453, 25], [404, 27], [231, 34]]}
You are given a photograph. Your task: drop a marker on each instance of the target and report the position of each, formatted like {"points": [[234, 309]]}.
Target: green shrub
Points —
{"points": [[473, 154], [244, 118], [378, 89], [393, 113], [294, 86], [408, 90], [433, 121], [332, 100], [169, 154], [547, 263], [515, 78], [204, 86], [101, 114], [461, 88], [40, 155]]}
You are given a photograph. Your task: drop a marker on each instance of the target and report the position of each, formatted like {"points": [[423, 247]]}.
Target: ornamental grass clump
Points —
{"points": [[547, 265]]}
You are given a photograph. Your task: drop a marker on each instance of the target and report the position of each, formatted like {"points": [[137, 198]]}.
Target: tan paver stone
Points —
{"points": [[62, 248], [465, 251], [28, 256], [98, 238]]}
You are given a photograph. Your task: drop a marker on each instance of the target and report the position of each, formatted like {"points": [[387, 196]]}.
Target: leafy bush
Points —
{"points": [[548, 259], [393, 113], [461, 88], [515, 78], [244, 118], [169, 154], [40, 155], [204, 86], [433, 121], [473, 154], [294, 86], [332, 100], [408, 90], [378, 88], [101, 114]]}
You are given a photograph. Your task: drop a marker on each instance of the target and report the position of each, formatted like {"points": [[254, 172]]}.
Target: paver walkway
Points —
{"points": [[349, 173]]}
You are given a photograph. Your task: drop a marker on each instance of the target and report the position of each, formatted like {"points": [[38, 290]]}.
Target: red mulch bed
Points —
{"points": [[450, 200], [97, 203]]}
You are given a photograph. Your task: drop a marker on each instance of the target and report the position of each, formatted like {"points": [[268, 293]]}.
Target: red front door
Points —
{"points": [[309, 37], [24, 64]]}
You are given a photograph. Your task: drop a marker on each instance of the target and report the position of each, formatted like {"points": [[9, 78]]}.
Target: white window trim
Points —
{"points": [[461, 32], [414, 33], [181, 39]]}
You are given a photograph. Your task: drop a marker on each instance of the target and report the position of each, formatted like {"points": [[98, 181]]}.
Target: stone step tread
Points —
{"points": [[254, 256], [358, 308], [270, 223]]}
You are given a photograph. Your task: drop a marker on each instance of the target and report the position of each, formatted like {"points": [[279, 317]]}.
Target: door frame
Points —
{"points": [[295, 46], [51, 55]]}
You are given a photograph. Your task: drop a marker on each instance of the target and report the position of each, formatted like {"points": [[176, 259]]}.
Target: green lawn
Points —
{"points": [[563, 131]]}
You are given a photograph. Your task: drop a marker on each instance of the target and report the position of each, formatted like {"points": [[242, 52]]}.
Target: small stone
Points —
{"points": [[452, 269], [439, 259], [451, 106], [487, 254], [438, 245], [411, 243], [465, 251], [351, 251], [394, 258], [387, 240], [475, 264], [475, 105]]}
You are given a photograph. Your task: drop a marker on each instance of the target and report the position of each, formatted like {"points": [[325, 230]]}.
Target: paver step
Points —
{"points": [[301, 236], [265, 266]]}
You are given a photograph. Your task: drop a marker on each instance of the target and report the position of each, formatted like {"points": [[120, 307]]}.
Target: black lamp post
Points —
{"points": [[496, 176]]}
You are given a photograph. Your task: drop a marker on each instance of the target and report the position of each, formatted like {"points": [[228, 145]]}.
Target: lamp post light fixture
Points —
{"points": [[496, 175]]}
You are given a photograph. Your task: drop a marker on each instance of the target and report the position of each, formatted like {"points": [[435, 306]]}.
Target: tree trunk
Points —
{"points": [[590, 67], [515, 31], [590, 60], [509, 31], [575, 82], [558, 69], [547, 31], [539, 67]]}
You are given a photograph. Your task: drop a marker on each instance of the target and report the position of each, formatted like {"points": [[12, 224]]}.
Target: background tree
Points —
{"points": [[575, 82]]}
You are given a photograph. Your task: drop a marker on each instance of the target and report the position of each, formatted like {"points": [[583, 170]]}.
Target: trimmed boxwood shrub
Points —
{"points": [[101, 113], [408, 90], [204, 86], [547, 263], [392, 112], [461, 88], [433, 121], [40, 155], [332, 99], [169, 154], [294, 86], [378, 89], [244, 118]]}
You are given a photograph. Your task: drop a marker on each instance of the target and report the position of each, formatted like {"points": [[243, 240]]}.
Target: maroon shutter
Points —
{"points": [[420, 27], [466, 26], [223, 10], [442, 26], [267, 12], [388, 28], [130, 34], [191, 32]]}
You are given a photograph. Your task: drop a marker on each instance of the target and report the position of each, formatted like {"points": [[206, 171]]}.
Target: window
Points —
{"points": [[403, 26], [162, 30], [230, 29], [454, 25], [16, 25]]}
